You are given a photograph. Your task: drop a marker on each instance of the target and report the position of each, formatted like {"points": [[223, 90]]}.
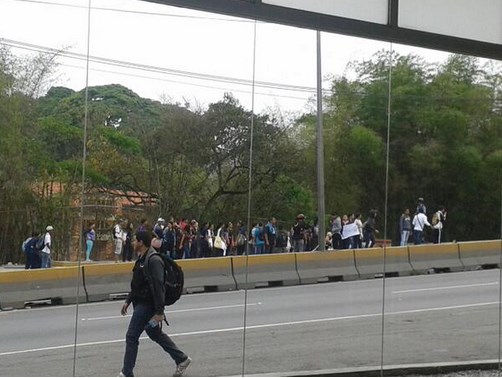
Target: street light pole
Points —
{"points": [[320, 150]]}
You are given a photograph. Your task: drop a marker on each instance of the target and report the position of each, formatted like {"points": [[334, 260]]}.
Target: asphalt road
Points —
{"points": [[432, 318]]}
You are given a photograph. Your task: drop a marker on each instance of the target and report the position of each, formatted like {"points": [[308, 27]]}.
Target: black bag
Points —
{"points": [[173, 278], [39, 244]]}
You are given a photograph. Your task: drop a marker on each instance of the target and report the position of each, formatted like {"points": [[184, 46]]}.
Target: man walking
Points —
{"points": [[148, 301]]}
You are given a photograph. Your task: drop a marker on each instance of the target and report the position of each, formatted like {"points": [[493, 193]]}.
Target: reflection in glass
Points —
{"points": [[442, 116], [327, 326], [39, 176], [165, 116]]}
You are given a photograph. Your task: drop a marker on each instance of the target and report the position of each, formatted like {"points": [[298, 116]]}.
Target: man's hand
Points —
{"points": [[158, 318], [123, 310]]}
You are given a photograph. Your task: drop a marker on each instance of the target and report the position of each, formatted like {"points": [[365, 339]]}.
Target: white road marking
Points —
{"points": [[250, 327], [444, 288], [173, 311]]}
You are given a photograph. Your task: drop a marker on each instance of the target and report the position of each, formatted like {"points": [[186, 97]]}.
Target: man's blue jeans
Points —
{"points": [[45, 260], [140, 317], [418, 237], [259, 249]]}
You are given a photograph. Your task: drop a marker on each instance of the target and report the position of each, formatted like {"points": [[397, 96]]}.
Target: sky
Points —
{"points": [[178, 55]]}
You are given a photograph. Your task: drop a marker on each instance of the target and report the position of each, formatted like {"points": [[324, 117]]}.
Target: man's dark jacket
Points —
{"points": [[147, 284]]}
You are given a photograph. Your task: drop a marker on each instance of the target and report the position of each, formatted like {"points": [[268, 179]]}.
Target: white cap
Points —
{"points": [[160, 220], [49, 228]]}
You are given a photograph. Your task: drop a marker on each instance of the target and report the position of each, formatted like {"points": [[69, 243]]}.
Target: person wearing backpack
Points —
{"points": [[148, 298], [437, 224], [270, 234], [32, 258]]}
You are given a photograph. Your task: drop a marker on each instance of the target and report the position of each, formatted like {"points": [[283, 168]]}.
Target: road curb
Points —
{"points": [[391, 370]]}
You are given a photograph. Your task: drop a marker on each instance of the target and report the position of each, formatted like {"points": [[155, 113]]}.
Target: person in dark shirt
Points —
{"points": [[147, 297], [298, 233], [369, 229]]}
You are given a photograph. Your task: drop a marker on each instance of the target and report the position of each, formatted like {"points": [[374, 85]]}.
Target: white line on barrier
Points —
{"points": [[444, 288], [348, 317], [173, 311]]}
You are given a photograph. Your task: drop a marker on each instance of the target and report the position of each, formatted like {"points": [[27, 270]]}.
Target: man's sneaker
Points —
{"points": [[180, 369], [121, 374]]}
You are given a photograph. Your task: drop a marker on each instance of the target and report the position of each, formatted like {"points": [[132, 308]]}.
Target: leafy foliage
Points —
{"points": [[444, 131]]}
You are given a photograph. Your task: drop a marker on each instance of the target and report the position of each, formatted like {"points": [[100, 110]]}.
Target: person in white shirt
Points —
{"points": [[119, 239], [437, 224], [45, 256], [419, 222]]}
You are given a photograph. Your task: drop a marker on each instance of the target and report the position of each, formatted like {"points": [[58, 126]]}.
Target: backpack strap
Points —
{"points": [[148, 276]]}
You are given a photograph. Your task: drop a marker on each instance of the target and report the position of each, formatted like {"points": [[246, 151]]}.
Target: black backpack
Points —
{"points": [[173, 278], [39, 244], [282, 239]]}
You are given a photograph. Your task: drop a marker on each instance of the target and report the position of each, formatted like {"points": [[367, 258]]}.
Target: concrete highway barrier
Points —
{"points": [[479, 254], [370, 262], [440, 257], [208, 274], [265, 270], [102, 281], [25, 287], [316, 267]]}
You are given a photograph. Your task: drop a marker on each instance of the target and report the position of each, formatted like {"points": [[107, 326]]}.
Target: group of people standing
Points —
{"points": [[37, 249], [184, 239], [350, 232], [416, 226]]}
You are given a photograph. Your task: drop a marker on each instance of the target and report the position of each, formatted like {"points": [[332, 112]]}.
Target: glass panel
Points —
{"points": [[448, 17], [369, 10], [443, 309], [40, 165], [168, 121], [333, 320]]}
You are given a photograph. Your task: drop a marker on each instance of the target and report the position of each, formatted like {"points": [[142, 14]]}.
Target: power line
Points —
{"points": [[136, 12], [156, 69], [186, 83]]}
